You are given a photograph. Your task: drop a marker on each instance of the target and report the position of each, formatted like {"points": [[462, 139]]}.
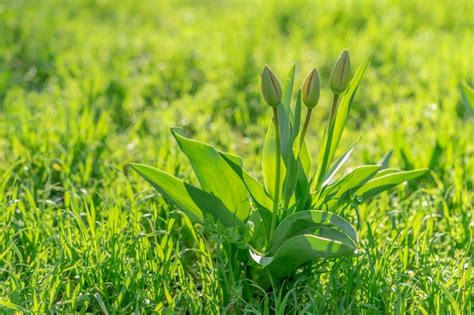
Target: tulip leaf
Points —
{"points": [[259, 229], [332, 234], [192, 200], [337, 165], [234, 159], [386, 171], [259, 258], [301, 249], [288, 87], [344, 108], [333, 132], [255, 189], [285, 115], [293, 161], [384, 162], [215, 175], [332, 194], [388, 181], [303, 161], [269, 163], [301, 221], [467, 97]]}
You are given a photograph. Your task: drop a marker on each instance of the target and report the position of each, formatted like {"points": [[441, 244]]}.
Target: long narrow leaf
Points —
{"points": [[337, 165], [383, 183], [344, 107], [467, 97], [333, 133], [269, 163], [288, 87], [335, 193], [293, 160], [384, 162]]}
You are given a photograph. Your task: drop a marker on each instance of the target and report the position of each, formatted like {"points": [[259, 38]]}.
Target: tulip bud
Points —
{"points": [[341, 73], [310, 90], [271, 89]]}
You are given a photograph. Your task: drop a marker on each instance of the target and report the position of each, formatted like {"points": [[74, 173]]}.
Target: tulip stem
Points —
{"points": [[333, 108], [305, 127], [276, 194]]}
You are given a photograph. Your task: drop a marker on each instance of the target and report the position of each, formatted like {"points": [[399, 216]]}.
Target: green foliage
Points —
{"points": [[295, 235], [87, 87]]}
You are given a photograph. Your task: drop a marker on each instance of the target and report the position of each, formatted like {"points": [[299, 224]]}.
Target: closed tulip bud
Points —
{"points": [[271, 89], [311, 88], [341, 73]]}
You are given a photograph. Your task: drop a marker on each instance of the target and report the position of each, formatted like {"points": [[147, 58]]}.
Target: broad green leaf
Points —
{"points": [[257, 192], [215, 175], [259, 258], [258, 229], [349, 182], [192, 200], [332, 234], [333, 132], [255, 189], [304, 248], [300, 221], [385, 182], [302, 191], [235, 159]]}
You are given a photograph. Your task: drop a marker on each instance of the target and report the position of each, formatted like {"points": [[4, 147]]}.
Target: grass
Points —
{"points": [[88, 87]]}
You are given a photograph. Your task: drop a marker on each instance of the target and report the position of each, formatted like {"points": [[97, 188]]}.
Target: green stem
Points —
{"points": [[276, 194], [333, 108], [305, 128]]}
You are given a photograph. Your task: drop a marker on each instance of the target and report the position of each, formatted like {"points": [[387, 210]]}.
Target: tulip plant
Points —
{"points": [[295, 215]]}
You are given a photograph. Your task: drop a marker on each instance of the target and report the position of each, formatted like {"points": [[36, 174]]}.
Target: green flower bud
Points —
{"points": [[341, 73], [311, 88], [271, 89]]}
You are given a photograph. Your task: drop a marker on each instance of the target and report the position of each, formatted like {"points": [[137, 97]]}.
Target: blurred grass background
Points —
{"points": [[88, 86]]}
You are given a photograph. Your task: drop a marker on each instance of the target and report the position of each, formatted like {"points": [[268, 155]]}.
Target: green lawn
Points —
{"points": [[87, 87]]}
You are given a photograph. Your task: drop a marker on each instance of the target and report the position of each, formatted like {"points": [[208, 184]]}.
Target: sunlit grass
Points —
{"points": [[87, 88]]}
